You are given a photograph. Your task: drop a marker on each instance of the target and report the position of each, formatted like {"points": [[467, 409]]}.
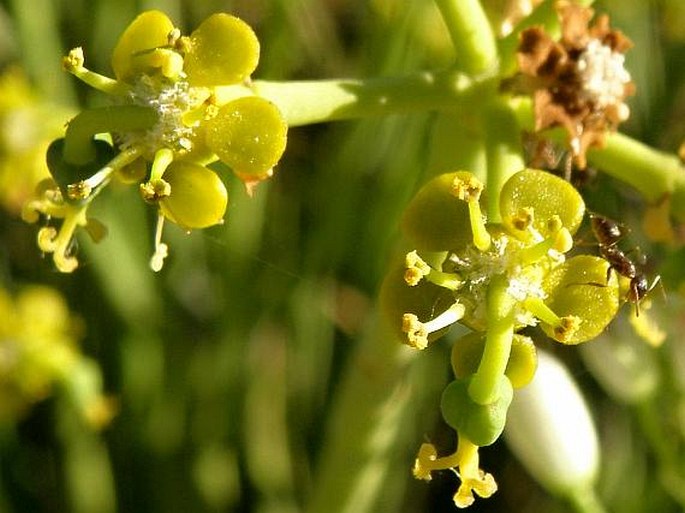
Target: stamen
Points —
{"points": [[469, 189], [161, 249], [416, 269], [417, 331], [59, 243], [466, 460], [73, 63], [539, 309], [157, 188], [83, 189], [564, 327], [417, 334], [427, 461]]}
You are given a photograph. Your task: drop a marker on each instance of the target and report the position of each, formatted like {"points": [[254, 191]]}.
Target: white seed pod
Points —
{"points": [[550, 430]]}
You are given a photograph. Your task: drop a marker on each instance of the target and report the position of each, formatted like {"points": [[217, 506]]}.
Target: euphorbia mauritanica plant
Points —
{"points": [[490, 250]]}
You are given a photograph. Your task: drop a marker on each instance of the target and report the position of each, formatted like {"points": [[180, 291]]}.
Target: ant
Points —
{"points": [[608, 233]]}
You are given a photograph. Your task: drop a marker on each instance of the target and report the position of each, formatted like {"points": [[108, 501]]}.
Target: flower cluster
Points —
{"points": [[180, 103], [497, 279], [38, 351], [578, 82]]}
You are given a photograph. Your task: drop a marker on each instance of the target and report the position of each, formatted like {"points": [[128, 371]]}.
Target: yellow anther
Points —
{"points": [[566, 328], [174, 37], [73, 60], [425, 462], [79, 190], [155, 190], [554, 224], [417, 334], [467, 188], [523, 219], [416, 268]]}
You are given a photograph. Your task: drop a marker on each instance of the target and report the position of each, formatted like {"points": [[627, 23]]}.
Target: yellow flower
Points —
{"points": [[181, 103], [38, 350], [526, 252]]}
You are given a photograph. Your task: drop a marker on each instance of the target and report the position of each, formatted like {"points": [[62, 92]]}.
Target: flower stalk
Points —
{"points": [[472, 35], [318, 101], [484, 387]]}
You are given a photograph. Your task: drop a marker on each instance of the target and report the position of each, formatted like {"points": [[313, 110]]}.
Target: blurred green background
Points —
{"points": [[224, 366]]}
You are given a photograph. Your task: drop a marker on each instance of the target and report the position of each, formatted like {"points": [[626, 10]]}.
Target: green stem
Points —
{"points": [[503, 152], [653, 173], [78, 147], [37, 30], [585, 500], [317, 101], [471, 34], [484, 386]]}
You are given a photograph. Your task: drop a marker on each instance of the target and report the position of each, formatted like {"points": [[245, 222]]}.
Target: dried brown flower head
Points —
{"points": [[578, 82]]}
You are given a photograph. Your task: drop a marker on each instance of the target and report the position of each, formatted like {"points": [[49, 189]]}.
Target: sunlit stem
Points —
{"points": [[484, 386], [318, 101], [652, 172], [537, 307], [78, 141], [503, 153], [471, 33]]}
